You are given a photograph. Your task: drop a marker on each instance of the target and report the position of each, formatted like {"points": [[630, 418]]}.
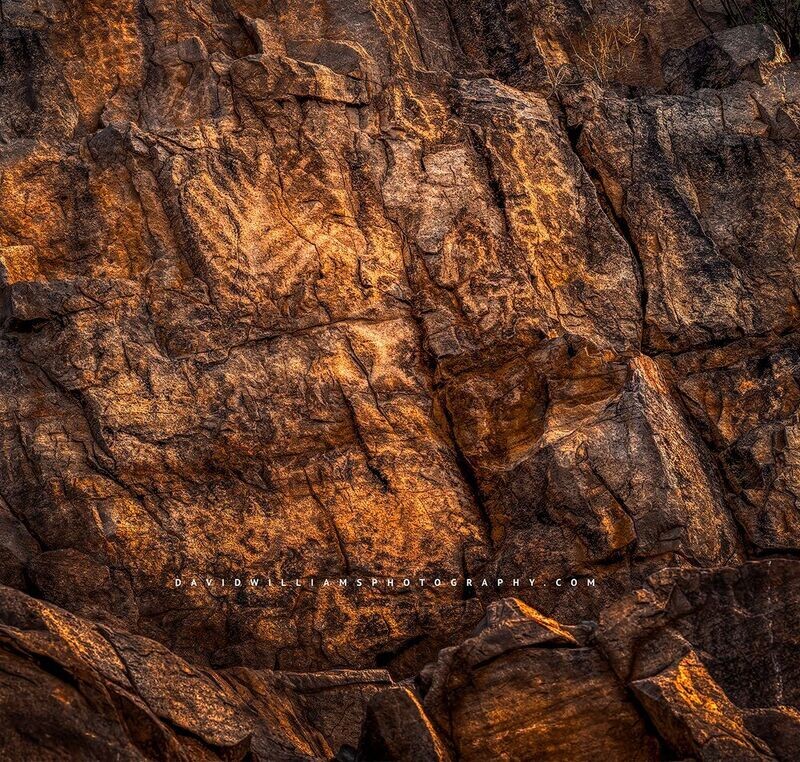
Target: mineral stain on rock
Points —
{"points": [[371, 288]]}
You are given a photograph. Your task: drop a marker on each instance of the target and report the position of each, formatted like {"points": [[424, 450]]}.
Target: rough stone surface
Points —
{"points": [[368, 289], [711, 656], [70, 689], [698, 664], [722, 59]]}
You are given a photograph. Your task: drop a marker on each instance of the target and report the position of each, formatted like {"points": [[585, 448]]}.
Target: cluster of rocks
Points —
{"points": [[702, 664]]}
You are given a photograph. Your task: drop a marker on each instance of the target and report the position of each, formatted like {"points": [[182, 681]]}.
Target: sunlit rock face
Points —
{"points": [[693, 666], [372, 289], [699, 664]]}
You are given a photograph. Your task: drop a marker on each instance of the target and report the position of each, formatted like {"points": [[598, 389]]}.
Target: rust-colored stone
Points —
{"points": [[369, 289]]}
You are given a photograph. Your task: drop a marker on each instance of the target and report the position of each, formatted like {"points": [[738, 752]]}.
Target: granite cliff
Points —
{"points": [[379, 288]]}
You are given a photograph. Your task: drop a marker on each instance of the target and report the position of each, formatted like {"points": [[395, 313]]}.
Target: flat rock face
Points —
{"points": [[523, 687], [350, 289]]}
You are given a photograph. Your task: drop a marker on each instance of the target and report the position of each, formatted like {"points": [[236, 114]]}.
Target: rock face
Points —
{"points": [[694, 665], [369, 289], [702, 664], [74, 690]]}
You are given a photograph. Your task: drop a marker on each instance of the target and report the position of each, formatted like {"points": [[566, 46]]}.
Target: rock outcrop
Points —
{"points": [[367, 290], [702, 664], [693, 665], [70, 689]]}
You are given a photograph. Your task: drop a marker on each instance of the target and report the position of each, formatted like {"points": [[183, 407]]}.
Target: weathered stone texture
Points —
{"points": [[370, 288]]}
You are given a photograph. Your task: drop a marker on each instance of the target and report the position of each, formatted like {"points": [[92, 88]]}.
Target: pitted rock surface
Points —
{"points": [[369, 288]]}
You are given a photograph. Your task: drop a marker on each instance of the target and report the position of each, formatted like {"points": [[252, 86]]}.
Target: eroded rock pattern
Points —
{"points": [[366, 288], [697, 665], [75, 690]]}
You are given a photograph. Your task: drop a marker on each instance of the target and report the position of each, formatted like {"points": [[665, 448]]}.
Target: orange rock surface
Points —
{"points": [[369, 290]]}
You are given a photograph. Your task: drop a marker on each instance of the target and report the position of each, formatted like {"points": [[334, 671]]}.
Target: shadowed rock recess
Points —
{"points": [[387, 288]]}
